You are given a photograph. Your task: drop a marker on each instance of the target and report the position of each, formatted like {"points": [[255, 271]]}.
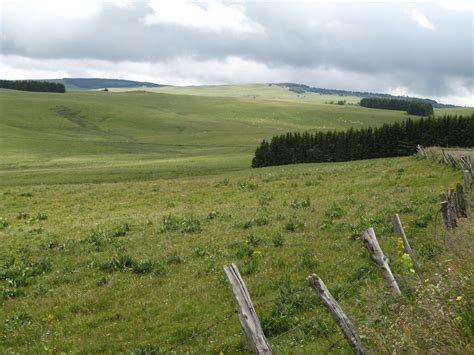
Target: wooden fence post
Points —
{"points": [[447, 212], [376, 253], [338, 314], [444, 209], [460, 200], [445, 160], [467, 188], [452, 208], [421, 151], [247, 315], [398, 229]]}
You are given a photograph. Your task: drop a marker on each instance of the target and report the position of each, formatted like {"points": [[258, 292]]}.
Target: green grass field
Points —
{"points": [[93, 136], [132, 265], [119, 209]]}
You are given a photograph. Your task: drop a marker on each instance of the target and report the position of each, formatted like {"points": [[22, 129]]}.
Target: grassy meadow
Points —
{"points": [[119, 209], [123, 267], [93, 136]]}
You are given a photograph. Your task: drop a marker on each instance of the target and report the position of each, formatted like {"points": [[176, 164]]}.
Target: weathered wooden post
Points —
{"points": [[421, 151], [398, 229], [337, 313], [452, 208], [247, 315], [467, 188], [444, 209], [460, 200], [451, 216], [376, 253], [445, 160]]}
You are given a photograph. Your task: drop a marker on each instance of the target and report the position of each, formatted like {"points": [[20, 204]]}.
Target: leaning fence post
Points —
{"points": [[398, 229], [467, 188], [338, 314], [376, 253], [247, 315]]}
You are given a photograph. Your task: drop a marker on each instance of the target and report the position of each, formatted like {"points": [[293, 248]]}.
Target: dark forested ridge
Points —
{"points": [[396, 139], [300, 89], [100, 83], [412, 107], [32, 85]]}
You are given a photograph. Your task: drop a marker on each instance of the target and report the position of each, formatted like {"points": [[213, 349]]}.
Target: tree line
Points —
{"points": [[32, 85], [412, 107], [389, 140]]}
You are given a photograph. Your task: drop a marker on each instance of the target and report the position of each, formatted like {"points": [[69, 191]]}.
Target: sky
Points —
{"points": [[417, 48]]}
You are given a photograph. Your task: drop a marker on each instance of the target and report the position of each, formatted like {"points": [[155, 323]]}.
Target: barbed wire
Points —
{"points": [[330, 347], [264, 303], [201, 332], [366, 275]]}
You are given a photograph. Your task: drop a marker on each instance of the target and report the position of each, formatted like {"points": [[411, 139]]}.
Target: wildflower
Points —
{"points": [[257, 253], [459, 298], [400, 243], [48, 318]]}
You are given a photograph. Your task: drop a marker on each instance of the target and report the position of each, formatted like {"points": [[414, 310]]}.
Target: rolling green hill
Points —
{"points": [[139, 135], [108, 136], [92, 136], [119, 209]]}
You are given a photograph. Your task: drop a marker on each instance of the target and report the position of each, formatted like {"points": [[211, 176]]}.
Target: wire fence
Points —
{"points": [[259, 305]]}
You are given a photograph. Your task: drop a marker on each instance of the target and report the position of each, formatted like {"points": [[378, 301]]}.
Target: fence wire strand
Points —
{"points": [[228, 315]]}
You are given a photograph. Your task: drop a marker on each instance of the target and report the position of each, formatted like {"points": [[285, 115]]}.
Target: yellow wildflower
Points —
{"points": [[400, 243], [48, 318], [257, 253], [459, 298]]}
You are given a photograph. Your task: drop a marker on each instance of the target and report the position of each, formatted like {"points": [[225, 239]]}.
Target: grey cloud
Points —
{"points": [[378, 40]]}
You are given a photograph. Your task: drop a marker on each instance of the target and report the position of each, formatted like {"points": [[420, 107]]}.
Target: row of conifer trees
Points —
{"points": [[389, 140], [32, 85], [412, 107]]}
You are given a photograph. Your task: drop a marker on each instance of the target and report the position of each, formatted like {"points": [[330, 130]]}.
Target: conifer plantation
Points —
{"points": [[412, 107], [389, 140], [32, 85]]}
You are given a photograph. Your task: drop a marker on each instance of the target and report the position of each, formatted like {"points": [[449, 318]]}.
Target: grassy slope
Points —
{"points": [[141, 135], [270, 92], [79, 307], [138, 137], [251, 91]]}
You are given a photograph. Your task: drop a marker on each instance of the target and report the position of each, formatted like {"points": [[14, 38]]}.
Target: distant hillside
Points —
{"points": [[97, 83], [300, 88]]}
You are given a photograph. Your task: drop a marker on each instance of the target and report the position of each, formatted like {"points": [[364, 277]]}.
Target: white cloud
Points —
{"points": [[457, 5], [212, 15], [230, 70], [422, 21], [62, 9]]}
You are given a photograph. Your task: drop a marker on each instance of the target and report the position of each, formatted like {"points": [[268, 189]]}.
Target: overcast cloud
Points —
{"points": [[420, 48]]}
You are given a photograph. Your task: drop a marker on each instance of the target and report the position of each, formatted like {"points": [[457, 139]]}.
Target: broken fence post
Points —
{"points": [[467, 188], [376, 253], [247, 315], [338, 314], [398, 229]]}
